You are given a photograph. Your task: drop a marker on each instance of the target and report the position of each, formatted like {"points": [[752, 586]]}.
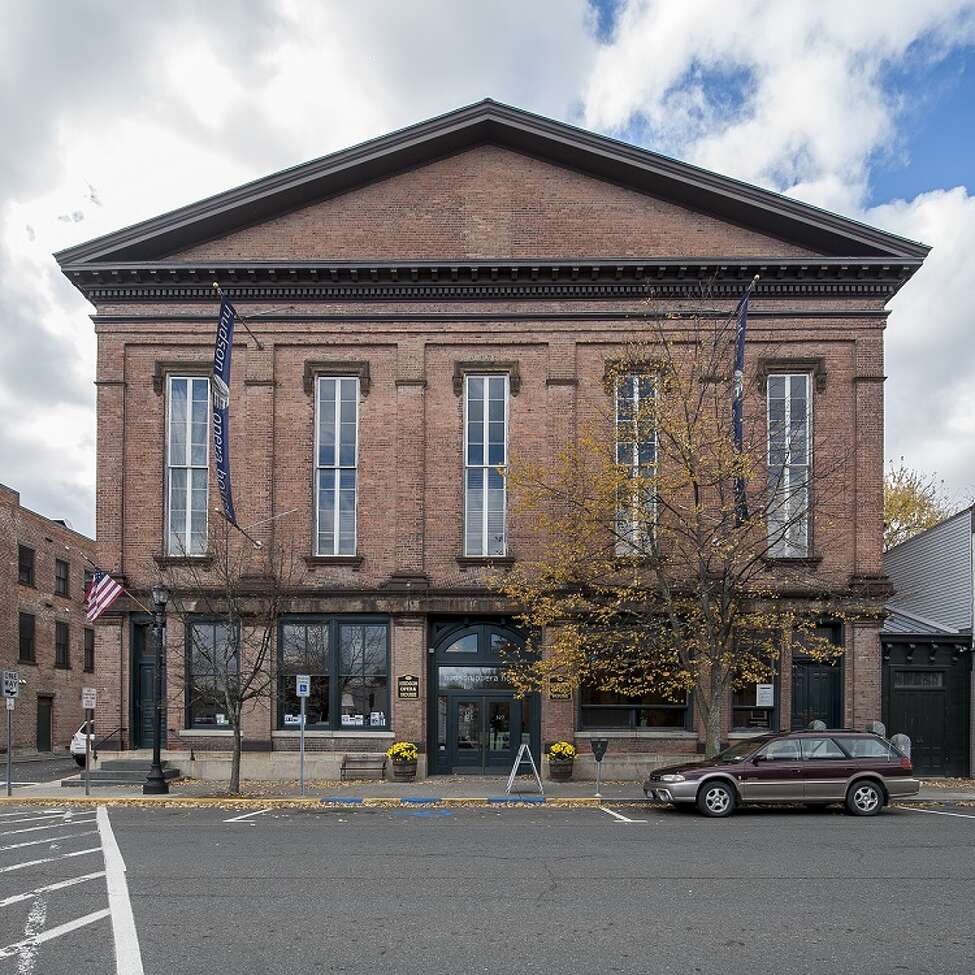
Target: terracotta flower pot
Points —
{"points": [[560, 769], [404, 771]]}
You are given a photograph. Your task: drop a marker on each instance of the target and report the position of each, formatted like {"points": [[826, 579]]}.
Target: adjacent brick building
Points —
{"points": [[42, 622], [424, 303]]}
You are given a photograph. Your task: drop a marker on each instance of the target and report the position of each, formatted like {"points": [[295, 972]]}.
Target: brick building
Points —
{"points": [[484, 266], [43, 634]]}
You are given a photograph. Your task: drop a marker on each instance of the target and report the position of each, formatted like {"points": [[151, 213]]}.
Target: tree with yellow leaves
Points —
{"points": [[912, 502], [671, 559]]}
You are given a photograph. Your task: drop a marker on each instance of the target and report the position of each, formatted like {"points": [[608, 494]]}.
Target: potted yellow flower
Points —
{"points": [[560, 758], [403, 756]]}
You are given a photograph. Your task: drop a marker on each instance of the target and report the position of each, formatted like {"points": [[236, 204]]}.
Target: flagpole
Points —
{"points": [[249, 538], [141, 605], [240, 318]]}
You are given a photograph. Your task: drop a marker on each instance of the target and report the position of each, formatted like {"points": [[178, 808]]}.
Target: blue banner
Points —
{"points": [[220, 382], [741, 504]]}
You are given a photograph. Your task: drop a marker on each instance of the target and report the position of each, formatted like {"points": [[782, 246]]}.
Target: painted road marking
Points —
{"points": [[34, 863], [47, 839], [938, 812], [34, 829], [237, 819], [620, 818], [128, 956], [32, 928], [60, 885], [33, 819], [52, 933], [47, 812]]}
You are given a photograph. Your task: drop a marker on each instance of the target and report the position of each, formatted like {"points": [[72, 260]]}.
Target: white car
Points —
{"points": [[77, 746]]}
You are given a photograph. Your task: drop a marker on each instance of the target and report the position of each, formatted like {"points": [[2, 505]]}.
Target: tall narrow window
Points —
{"points": [[636, 453], [336, 464], [62, 572], [26, 635], [89, 650], [213, 663], [25, 565], [485, 464], [62, 653], [187, 462], [789, 461]]}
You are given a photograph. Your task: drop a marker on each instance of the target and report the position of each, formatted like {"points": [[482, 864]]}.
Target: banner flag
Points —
{"points": [[738, 397], [221, 405]]}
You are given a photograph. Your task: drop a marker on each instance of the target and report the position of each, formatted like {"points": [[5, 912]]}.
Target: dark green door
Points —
{"points": [[484, 731], [817, 694], [143, 675], [44, 724]]}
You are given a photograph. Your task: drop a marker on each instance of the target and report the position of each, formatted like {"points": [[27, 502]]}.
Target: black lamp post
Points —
{"points": [[156, 784]]}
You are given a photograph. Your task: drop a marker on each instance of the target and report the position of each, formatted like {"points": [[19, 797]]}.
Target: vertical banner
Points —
{"points": [[741, 503], [221, 405]]}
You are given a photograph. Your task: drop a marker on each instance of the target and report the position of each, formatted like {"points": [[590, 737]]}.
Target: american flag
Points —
{"points": [[102, 591]]}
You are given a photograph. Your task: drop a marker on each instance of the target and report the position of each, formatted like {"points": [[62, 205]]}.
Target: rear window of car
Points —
{"points": [[821, 749], [868, 748]]}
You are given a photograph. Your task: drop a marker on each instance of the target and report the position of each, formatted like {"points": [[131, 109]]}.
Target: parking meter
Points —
{"points": [[599, 746]]}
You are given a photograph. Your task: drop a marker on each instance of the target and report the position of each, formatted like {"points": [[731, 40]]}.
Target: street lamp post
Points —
{"points": [[156, 784]]}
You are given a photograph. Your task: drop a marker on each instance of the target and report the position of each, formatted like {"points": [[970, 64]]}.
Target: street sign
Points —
{"points": [[303, 685], [88, 697], [11, 683], [599, 746], [11, 701]]}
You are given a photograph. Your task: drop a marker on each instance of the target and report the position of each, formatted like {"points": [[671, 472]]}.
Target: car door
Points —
{"points": [[773, 773], [826, 768]]}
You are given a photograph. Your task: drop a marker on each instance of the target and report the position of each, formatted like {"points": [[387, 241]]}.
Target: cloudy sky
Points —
{"points": [[115, 110]]}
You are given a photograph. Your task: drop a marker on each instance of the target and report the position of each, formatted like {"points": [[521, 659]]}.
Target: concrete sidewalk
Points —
{"points": [[442, 787]]}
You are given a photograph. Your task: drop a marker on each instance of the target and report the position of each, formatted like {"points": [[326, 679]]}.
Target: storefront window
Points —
{"points": [[212, 661], [752, 707], [605, 709]]}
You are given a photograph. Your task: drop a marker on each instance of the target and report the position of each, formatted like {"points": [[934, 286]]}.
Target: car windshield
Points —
{"points": [[742, 750]]}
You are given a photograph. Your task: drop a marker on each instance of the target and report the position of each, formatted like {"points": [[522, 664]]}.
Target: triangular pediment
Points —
{"points": [[489, 181]]}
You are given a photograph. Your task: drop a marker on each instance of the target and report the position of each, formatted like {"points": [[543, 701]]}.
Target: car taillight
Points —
{"points": [[906, 763]]}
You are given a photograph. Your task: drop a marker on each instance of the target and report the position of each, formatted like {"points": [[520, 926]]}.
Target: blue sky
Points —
{"points": [[864, 107]]}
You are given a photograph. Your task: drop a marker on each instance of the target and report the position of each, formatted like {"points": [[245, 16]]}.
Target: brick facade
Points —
{"points": [[488, 203], [45, 682]]}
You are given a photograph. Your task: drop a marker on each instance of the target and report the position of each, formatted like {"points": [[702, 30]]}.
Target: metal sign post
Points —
{"points": [[11, 688], [599, 746], [302, 689], [88, 698]]}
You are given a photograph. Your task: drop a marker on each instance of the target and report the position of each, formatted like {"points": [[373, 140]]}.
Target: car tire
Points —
{"points": [[716, 799], [79, 760], [865, 798]]}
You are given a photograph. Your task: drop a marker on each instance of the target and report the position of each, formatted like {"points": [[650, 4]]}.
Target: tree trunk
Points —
{"points": [[235, 760]]}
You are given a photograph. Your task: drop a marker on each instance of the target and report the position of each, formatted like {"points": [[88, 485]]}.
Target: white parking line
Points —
{"points": [[61, 825], [60, 885], [52, 933], [34, 819], [32, 928], [937, 812], [47, 839], [237, 819], [621, 818], [47, 812], [34, 863], [128, 956]]}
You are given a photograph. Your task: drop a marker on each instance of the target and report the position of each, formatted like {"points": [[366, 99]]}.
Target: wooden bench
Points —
{"points": [[368, 766]]}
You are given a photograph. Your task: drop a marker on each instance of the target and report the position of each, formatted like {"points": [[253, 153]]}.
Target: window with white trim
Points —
{"points": [[187, 464], [336, 464], [485, 464], [636, 454], [789, 463]]}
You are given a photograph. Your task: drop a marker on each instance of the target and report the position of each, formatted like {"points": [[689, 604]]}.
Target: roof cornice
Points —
{"points": [[670, 277], [492, 122]]}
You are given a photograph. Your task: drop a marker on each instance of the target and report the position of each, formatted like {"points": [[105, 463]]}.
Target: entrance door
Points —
{"points": [[918, 709], [483, 732], [143, 677], [817, 694], [44, 724]]}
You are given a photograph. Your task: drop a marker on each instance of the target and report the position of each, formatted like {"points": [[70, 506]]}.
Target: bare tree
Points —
{"points": [[671, 559], [230, 609]]}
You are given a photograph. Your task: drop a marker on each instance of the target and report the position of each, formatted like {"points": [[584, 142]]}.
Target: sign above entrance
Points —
{"points": [[408, 687]]}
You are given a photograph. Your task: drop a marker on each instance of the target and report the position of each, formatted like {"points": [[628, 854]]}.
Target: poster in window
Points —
{"points": [[764, 695]]}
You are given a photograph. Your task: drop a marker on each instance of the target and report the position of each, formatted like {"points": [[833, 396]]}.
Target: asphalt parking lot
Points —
{"points": [[616, 889]]}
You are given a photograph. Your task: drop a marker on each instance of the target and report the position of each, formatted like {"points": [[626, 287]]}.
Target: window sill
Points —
{"points": [[473, 561], [205, 733], [314, 561], [746, 733], [27, 663], [638, 733], [797, 560], [26, 585], [362, 733], [174, 561], [62, 666]]}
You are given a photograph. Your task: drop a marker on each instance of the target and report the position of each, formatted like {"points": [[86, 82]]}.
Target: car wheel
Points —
{"points": [[716, 799], [865, 798], [79, 760]]}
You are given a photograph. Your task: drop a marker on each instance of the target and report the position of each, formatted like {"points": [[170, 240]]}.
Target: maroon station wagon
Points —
{"points": [[815, 768]]}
